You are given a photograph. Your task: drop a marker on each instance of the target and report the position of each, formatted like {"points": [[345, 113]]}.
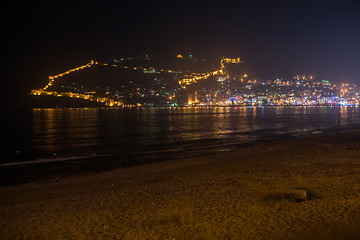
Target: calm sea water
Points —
{"points": [[149, 134]]}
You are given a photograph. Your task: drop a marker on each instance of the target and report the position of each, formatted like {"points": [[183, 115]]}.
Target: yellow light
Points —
{"points": [[188, 81]]}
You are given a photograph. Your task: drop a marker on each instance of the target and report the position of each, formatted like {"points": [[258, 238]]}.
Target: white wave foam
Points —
{"points": [[47, 160]]}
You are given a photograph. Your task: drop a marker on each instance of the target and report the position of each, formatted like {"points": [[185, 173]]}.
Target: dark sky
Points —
{"points": [[276, 38]]}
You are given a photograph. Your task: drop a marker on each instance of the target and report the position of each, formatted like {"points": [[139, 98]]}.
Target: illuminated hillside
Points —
{"points": [[117, 84]]}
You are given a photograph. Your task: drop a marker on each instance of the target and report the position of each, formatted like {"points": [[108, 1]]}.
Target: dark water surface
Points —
{"points": [[143, 134], [49, 144]]}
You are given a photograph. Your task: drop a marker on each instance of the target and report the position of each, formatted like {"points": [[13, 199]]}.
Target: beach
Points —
{"points": [[247, 193]]}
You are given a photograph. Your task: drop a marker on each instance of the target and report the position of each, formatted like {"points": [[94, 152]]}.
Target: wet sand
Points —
{"points": [[243, 194]]}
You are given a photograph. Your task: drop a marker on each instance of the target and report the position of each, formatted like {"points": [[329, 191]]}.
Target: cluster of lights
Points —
{"points": [[108, 101], [202, 76], [310, 96]]}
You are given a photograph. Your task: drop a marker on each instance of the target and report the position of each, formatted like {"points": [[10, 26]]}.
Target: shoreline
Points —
{"points": [[95, 105], [240, 194], [43, 169]]}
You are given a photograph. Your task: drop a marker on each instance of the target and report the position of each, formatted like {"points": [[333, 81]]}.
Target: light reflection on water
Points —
{"points": [[136, 133]]}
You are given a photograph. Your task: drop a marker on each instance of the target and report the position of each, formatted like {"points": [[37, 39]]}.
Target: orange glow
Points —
{"points": [[201, 76]]}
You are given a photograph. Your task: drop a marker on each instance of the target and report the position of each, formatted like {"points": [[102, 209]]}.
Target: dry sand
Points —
{"points": [[243, 194]]}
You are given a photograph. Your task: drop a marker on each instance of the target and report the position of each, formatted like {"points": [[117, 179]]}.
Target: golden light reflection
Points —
{"points": [[80, 127]]}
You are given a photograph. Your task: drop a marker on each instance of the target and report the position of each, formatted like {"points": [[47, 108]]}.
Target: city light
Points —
{"points": [[241, 89]]}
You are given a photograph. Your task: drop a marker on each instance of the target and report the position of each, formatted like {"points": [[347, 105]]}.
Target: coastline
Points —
{"points": [[45, 169], [230, 195]]}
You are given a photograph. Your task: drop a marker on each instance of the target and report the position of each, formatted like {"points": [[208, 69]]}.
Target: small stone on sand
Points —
{"points": [[299, 194]]}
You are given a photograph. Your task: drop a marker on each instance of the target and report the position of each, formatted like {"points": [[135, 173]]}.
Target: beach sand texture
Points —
{"points": [[249, 193]]}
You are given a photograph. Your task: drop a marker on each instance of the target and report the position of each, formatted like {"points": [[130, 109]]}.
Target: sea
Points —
{"points": [[107, 138]]}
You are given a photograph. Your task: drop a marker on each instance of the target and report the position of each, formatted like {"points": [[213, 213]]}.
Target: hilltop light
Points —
{"points": [[189, 81]]}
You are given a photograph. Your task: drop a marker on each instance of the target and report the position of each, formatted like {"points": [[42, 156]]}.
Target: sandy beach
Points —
{"points": [[249, 193]]}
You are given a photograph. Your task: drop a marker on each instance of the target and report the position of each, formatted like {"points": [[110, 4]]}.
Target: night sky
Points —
{"points": [[275, 38]]}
